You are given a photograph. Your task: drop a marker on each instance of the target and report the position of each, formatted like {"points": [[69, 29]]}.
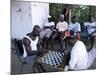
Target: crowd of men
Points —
{"points": [[39, 40]]}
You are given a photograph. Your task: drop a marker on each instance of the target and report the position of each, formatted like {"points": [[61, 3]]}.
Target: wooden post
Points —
{"points": [[70, 16]]}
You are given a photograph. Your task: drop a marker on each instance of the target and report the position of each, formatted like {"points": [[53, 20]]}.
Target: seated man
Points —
{"points": [[91, 29], [47, 31], [75, 27], [80, 59], [31, 45], [61, 27]]}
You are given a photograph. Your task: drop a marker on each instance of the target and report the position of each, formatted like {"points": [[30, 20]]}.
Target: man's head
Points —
{"points": [[74, 19], [36, 30], [91, 18], [49, 18], [73, 40], [61, 18]]}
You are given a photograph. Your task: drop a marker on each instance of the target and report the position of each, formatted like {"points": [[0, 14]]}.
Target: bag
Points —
{"points": [[67, 33]]}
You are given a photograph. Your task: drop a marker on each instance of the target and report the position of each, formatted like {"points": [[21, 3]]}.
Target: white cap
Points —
{"points": [[49, 16]]}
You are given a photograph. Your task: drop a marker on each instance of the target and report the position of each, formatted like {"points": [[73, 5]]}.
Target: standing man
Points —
{"points": [[61, 27]]}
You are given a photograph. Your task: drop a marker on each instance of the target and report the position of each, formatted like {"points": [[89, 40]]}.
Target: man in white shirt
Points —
{"points": [[91, 29], [80, 59], [79, 56], [61, 27], [75, 27], [47, 31]]}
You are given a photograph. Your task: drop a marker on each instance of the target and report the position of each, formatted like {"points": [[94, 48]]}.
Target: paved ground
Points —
{"points": [[16, 65]]}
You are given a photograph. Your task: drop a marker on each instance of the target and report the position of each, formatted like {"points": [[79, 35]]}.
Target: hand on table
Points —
{"points": [[67, 67]]}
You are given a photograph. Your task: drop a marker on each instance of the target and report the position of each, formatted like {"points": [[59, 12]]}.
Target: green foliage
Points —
{"points": [[81, 11], [56, 10]]}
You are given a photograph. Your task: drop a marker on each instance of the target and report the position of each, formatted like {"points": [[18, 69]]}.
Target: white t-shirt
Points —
{"points": [[75, 27], [79, 56], [49, 24], [62, 26], [90, 29]]}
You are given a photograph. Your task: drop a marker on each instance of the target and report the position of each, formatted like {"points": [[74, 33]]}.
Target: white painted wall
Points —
{"points": [[40, 12], [31, 14], [21, 20]]}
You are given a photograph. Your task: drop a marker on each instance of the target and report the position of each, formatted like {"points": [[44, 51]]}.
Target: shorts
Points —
{"points": [[46, 33], [30, 59]]}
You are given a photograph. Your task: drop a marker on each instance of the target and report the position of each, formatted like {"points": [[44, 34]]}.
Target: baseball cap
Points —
{"points": [[49, 16]]}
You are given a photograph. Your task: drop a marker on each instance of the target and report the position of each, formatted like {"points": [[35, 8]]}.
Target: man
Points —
{"points": [[80, 59], [61, 27], [75, 27], [47, 31], [91, 29], [31, 45], [79, 56]]}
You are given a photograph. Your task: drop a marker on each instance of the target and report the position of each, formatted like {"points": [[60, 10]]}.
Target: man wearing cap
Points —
{"points": [[47, 31]]}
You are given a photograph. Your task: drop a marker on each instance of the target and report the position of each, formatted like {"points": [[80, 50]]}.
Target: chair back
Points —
{"points": [[19, 48]]}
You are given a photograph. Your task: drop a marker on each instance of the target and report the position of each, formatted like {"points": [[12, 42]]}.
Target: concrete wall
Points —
{"points": [[40, 12], [24, 15]]}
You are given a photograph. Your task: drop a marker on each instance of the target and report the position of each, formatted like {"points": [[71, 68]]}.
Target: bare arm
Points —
{"points": [[39, 44]]}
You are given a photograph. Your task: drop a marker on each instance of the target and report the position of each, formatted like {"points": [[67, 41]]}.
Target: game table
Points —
{"points": [[52, 61]]}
